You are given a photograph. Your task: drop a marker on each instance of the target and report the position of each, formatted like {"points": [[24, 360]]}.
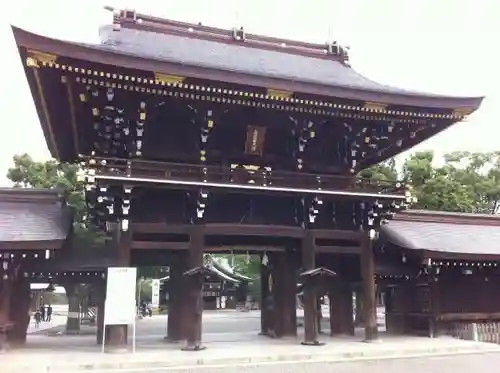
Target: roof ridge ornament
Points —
{"points": [[239, 34], [334, 48]]}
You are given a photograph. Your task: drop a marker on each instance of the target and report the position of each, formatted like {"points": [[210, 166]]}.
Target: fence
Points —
{"points": [[479, 332]]}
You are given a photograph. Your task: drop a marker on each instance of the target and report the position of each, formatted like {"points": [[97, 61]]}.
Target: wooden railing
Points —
{"points": [[244, 175]]}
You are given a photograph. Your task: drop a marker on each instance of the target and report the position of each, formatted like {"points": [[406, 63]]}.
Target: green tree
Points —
{"points": [[466, 182], [384, 171], [51, 174]]}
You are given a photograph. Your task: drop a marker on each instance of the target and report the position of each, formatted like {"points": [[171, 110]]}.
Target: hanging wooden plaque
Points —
{"points": [[254, 143]]}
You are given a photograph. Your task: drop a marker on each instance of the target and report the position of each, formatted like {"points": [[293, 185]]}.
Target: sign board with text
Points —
{"points": [[120, 306], [155, 293]]}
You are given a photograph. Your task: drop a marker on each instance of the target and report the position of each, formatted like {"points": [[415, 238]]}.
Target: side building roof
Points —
{"points": [[33, 219], [446, 235]]}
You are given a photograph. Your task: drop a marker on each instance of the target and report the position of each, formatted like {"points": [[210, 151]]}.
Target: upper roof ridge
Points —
{"points": [[131, 19]]}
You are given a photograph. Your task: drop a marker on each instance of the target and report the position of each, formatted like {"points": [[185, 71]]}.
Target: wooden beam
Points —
{"points": [[231, 229], [254, 230], [243, 249], [159, 245], [355, 250], [337, 234], [143, 227]]}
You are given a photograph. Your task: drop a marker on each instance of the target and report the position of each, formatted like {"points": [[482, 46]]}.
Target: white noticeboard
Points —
{"points": [[155, 293], [120, 304]]}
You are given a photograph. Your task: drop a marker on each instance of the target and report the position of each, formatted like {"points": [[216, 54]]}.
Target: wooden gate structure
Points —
{"points": [[198, 139]]}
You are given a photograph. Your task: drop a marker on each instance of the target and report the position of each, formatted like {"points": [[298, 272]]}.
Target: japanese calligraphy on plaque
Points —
{"points": [[254, 143]]}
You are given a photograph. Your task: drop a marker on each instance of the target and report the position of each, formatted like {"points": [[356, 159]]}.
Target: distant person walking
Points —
{"points": [[42, 312], [38, 318], [49, 313], [150, 309]]}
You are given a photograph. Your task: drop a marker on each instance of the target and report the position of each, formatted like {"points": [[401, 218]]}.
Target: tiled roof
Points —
{"points": [[32, 215], [238, 58], [468, 234], [233, 62]]}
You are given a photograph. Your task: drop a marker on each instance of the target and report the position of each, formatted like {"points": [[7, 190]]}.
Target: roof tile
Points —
{"points": [[32, 221], [444, 237]]}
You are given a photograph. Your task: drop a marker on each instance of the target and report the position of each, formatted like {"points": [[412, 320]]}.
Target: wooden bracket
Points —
{"points": [[202, 270], [318, 272]]}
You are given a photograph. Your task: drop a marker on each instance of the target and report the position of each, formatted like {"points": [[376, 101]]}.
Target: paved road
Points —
{"points": [[481, 363], [241, 322]]}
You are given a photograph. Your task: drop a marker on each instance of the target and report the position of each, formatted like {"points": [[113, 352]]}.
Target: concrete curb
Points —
{"points": [[189, 363]]}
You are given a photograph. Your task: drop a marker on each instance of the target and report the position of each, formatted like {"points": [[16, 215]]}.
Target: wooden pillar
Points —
{"points": [[310, 309], [289, 295], [284, 295], [117, 334], [176, 290], [19, 312], [194, 305], [73, 318], [369, 290], [6, 282], [341, 310], [264, 295], [277, 294]]}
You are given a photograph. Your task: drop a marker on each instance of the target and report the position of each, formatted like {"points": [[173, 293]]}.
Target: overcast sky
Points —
{"points": [[446, 47]]}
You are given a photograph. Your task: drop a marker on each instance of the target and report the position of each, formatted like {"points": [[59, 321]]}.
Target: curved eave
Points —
{"points": [[39, 106], [470, 244], [221, 274], [103, 54], [234, 275]]}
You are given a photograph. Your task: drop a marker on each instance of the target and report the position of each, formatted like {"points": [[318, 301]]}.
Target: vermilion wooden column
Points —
{"points": [[194, 307], [117, 334], [369, 296], [310, 309]]}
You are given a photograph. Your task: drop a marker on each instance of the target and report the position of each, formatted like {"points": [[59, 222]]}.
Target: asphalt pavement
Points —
{"points": [[477, 363]]}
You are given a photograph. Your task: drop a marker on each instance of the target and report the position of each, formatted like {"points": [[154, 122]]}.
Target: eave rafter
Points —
{"points": [[36, 60], [156, 82], [72, 110]]}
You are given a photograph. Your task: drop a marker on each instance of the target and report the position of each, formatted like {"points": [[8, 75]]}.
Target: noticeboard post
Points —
{"points": [[120, 304]]}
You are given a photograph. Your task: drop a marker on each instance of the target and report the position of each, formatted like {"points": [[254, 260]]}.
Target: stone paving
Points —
{"points": [[232, 339], [479, 363]]}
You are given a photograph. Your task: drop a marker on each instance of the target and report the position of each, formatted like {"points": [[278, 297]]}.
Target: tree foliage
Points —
{"points": [[384, 171], [51, 174], [465, 182]]}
